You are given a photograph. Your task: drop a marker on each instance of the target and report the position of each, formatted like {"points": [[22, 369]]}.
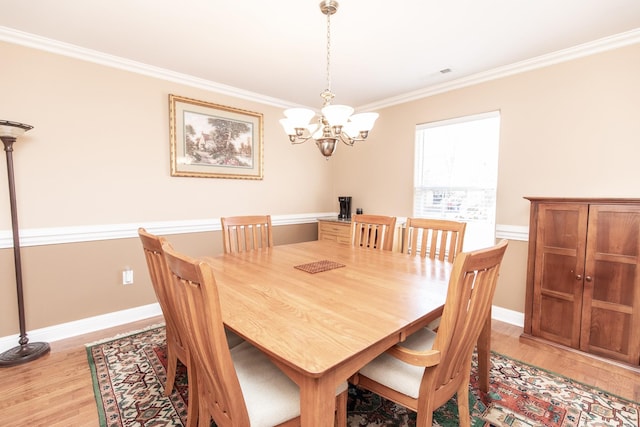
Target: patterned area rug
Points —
{"points": [[129, 372]]}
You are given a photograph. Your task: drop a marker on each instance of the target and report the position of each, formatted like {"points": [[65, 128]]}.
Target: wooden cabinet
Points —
{"points": [[583, 275], [334, 229]]}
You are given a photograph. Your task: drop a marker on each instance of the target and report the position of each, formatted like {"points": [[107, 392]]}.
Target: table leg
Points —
{"points": [[317, 402], [484, 355]]}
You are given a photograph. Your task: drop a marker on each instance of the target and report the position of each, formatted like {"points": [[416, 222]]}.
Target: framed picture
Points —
{"points": [[214, 141]]}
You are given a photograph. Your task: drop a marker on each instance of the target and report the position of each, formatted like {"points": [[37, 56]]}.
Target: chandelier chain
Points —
{"points": [[329, 52]]}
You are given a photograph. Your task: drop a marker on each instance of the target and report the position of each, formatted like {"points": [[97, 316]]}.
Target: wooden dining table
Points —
{"points": [[322, 310]]}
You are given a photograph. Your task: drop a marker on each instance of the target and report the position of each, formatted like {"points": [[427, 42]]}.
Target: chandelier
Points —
{"points": [[336, 122]]}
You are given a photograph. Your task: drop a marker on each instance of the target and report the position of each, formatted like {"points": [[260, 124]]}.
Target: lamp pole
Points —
{"points": [[25, 352]]}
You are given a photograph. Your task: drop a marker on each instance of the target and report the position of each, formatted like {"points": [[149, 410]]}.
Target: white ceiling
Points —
{"points": [[380, 49]]}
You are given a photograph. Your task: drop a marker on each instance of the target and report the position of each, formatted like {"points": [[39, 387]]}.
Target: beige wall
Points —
{"points": [[99, 150], [99, 155], [571, 129]]}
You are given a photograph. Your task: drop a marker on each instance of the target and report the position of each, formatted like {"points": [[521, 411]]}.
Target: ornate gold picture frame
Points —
{"points": [[214, 141]]}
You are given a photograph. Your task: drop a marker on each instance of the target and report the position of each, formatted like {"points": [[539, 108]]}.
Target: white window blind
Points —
{"points": [[456, 174]]}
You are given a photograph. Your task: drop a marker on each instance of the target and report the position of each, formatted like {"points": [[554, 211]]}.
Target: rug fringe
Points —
{"points": [[125, 334]]}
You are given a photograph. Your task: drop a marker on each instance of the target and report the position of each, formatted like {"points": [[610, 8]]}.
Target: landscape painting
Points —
{"points": [[214, 141]]}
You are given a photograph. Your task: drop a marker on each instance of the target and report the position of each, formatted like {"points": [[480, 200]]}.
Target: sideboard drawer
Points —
{"points": [[340, 231], [334, 231]]}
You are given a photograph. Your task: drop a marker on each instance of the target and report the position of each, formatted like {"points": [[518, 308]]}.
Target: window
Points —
{"points": [[456, 174]]}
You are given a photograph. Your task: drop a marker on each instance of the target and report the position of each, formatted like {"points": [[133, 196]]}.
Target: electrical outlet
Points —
{"points": [[127, 276]]}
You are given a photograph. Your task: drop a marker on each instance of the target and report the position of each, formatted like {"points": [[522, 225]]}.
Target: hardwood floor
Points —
{"points": [[56, 390]]}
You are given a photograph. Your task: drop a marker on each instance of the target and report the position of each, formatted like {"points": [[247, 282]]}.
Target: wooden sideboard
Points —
{"points": [[583, 276], [334, 229], [339, 230]]}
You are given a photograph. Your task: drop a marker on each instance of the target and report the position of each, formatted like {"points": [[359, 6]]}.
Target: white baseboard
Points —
{"points": [[97, 323], [83, 326], [508, 316]]}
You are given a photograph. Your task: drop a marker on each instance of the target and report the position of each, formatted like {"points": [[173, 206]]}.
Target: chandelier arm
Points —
{"points": [[295, 140], [347, 140], [350, 141]]}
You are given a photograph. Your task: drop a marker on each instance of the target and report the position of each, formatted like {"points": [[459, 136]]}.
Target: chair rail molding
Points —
{"points": [[90, 233], [512, 232]]}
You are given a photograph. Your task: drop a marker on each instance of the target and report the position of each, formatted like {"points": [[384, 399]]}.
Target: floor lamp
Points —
{"points": [[26, 351]]}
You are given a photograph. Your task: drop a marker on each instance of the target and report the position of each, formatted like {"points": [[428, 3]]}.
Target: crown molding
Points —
{"points": [[601, 45], [37, 42]]}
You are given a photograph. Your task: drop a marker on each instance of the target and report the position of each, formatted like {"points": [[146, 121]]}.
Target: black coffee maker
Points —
{"points": [[345, 207]]}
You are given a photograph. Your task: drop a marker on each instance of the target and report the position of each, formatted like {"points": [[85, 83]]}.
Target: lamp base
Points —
{"points": [[24, 353]]}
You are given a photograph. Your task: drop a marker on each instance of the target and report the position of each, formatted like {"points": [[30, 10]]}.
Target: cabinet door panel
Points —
{"points": [[559, 269], [611, 300], [558, 273], [557, 321], [608, 333], [619, 278]]}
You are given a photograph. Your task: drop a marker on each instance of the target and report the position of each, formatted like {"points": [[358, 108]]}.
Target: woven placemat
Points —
{"points": [[319, 266]]}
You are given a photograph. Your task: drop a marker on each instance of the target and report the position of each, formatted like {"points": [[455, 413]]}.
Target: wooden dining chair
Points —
{"points": [[176, 344], [428, 368], [238, 387], [177, 348], [435, 238], [246, 233], [373, 231]]}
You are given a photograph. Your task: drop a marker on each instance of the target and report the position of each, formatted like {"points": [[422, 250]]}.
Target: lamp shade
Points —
{"points": [[317, 133], [312, 128], [299, 117], [13, 129], [351, 130], [337, 115], [364, 121], [289, 128]]}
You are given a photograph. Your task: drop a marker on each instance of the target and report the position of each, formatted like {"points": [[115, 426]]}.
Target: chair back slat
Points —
{"points": [[246, 233], [436, 238], [373, 231]]}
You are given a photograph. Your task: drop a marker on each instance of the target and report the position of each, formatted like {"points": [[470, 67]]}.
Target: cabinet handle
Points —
{"points": [[578, 277], [588, 278]]}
